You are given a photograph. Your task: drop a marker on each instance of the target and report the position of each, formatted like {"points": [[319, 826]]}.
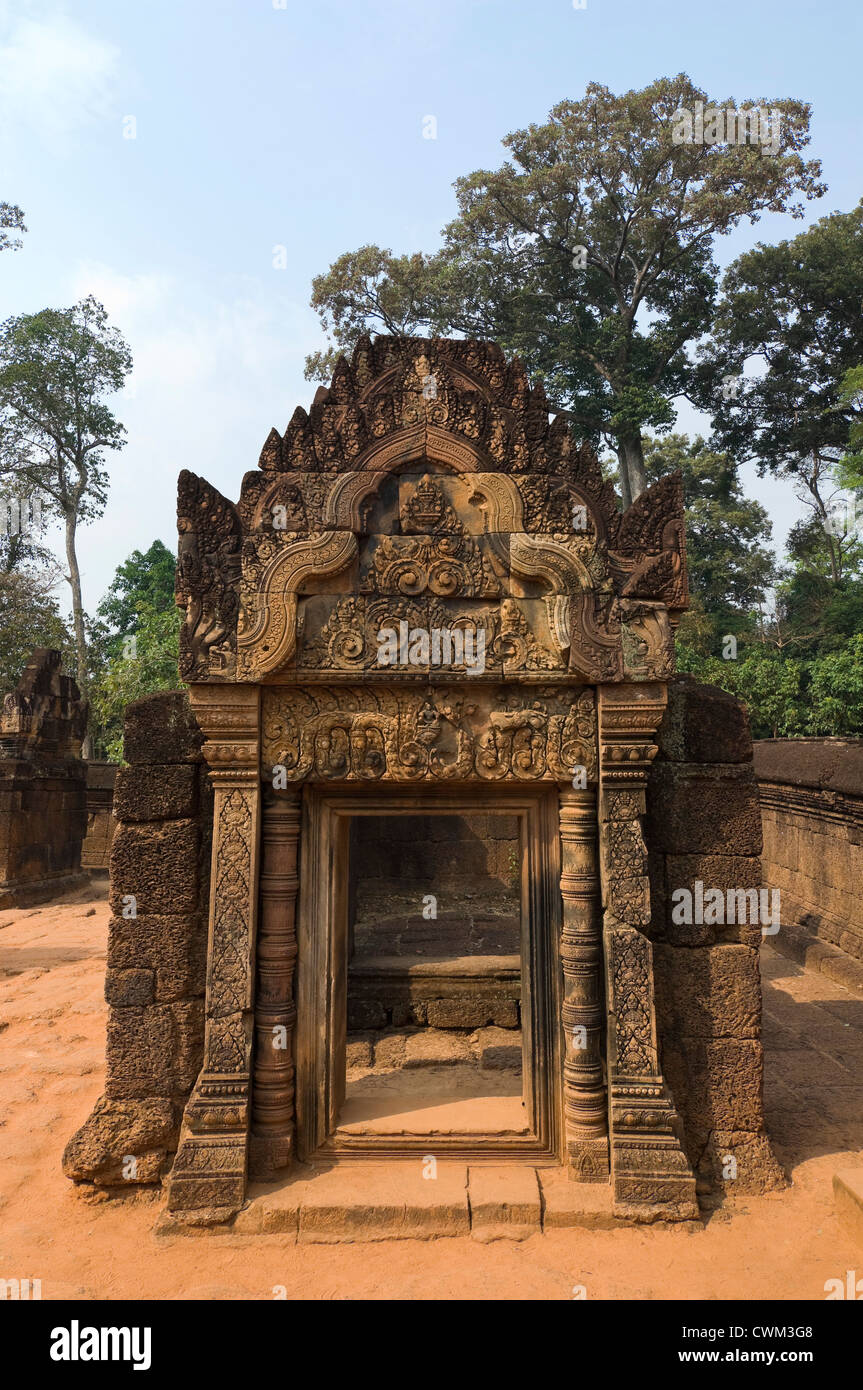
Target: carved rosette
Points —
{"points": [[651, 1176], [209, 1172]]}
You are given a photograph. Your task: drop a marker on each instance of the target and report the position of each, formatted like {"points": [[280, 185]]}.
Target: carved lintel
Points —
{"points": [[366, 734]]}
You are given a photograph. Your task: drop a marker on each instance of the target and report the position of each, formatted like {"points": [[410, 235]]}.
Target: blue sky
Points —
{"points": [[275, 123]]}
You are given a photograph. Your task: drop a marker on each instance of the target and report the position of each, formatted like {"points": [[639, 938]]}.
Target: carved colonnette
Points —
{"points": [[272, 1138], [651, 1176], [582, 1014], [209, 1171]]}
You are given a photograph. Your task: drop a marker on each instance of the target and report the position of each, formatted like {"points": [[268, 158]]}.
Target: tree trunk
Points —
{"points": [[623, 479], [78, 618], [633, 477]]}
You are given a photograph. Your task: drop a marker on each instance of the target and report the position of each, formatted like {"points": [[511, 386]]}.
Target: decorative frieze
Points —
{"points": [[361, 733]]}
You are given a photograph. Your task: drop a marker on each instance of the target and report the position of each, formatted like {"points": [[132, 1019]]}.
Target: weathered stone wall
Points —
{"points": [[42, 784], [704, 825], [812, 818], [157, 946], [100, 819]]}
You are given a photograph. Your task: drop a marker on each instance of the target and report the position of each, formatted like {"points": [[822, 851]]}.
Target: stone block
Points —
{"points": [[157, 864], [460, 1012], [174, 948], [358, 1052], [707, 991], [703, 724], [716, 1084], [117, 1130], [497, 1049], [737, 1162], [390, 1049], [363, 1013], [433, 1048], [129, 988], [161, 729], [692, 809], [149, 793], [154, 1051], [504, 1201]]}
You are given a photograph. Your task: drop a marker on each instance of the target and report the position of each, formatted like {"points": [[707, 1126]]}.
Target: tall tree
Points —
{"points": [[589, 253], [29, 617], [56, 367], [788, 329]]}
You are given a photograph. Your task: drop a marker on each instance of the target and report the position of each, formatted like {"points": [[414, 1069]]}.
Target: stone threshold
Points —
{"points": [[356, 1201]]}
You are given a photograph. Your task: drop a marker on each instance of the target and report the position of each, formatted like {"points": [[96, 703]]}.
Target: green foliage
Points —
{"points": [[790, 696], [151, 668], [794, 311], [56, 366], [134, 643], [11, 220], [145, 579], [29, 617], [604, 174]]}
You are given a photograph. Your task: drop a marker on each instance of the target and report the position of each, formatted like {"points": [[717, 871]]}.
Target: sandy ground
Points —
{"points": [[52, 1037]]}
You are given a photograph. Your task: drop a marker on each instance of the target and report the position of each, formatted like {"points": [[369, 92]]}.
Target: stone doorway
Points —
{"points": [[431, 597], [434, 944], [440, 1030]]}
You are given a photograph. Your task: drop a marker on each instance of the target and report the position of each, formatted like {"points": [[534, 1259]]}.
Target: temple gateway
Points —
{"points": [[455, 781]]}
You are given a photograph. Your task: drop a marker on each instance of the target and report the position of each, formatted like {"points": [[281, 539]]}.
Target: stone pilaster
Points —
{"points": [[208, 1179], [651, 1176]]}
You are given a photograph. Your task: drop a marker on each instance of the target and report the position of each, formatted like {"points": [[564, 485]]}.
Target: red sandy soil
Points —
{"points": [[52, 1039]]}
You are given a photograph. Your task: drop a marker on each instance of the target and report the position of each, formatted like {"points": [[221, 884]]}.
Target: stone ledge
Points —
{"points": [[836, 764], [797, 944], [31, 894]]}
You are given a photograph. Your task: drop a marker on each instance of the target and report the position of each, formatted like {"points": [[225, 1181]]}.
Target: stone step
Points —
{"points": [[420, 1198]]}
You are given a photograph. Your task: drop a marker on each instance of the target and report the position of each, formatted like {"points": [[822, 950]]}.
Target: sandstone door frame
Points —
{"points": [[321, 973]]}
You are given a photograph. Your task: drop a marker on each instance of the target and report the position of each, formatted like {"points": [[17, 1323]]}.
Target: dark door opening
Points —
{"points": [[434, 977]]}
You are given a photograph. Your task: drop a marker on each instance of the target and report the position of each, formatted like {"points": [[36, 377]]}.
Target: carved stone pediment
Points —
{"points": [[428, 472]]}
